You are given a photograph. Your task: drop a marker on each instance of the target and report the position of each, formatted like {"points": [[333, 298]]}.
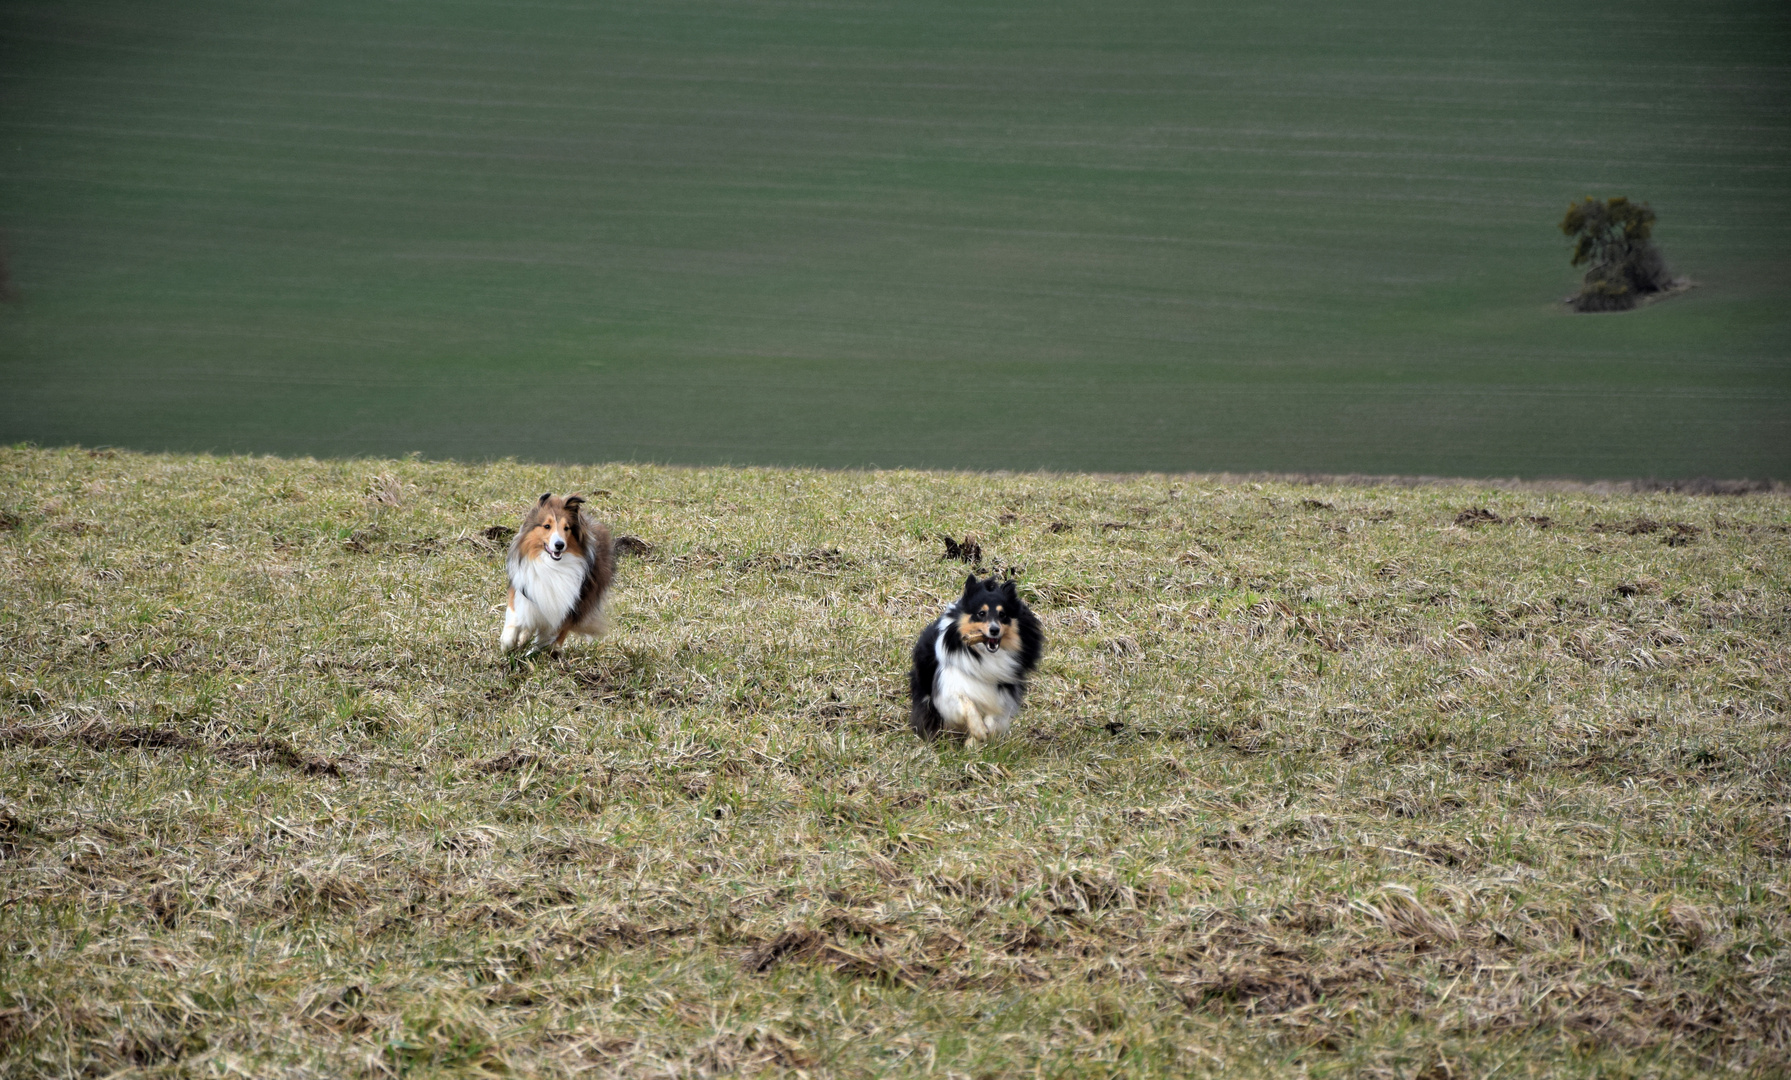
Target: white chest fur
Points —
{"points": [[547, 588], [968, 688]]}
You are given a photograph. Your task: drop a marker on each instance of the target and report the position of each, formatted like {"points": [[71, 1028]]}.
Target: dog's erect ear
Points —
{"points": [[969, 584], [1009, 590], [573, 502], [545, 495]]}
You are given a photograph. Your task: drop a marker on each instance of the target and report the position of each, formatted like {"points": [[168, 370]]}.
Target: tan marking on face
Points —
{"points": [[971, 628], [545, 523]]}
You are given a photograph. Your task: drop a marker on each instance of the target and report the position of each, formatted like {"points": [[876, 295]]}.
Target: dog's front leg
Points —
{"points": [[997, 726], [515, 632], [976, 728]]}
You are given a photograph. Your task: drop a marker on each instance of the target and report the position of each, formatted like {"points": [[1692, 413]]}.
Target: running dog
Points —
{"points": [[970, 665], [560, 565]]}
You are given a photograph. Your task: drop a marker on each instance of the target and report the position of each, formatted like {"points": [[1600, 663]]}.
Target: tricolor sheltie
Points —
{"points": [[970, 666], [560, 564]]}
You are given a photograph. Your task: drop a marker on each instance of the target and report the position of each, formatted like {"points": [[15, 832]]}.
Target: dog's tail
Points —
{"points": [[924, 719], [922, 716]]}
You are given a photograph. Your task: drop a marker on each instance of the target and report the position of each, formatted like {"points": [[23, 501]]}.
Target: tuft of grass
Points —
{"points": [[1334, 779]]}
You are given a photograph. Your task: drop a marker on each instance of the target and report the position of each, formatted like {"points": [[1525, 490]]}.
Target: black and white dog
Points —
{"points": [[970, 665]]}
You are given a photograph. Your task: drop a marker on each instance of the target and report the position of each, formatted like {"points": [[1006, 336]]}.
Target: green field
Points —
{"points": [[1124, 236], [1391, 783]]}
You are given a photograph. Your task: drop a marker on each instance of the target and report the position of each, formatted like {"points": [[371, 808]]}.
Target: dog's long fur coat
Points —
{"points": [[971, 664]]}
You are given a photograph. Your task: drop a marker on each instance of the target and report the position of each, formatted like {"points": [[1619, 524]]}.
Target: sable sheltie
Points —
{"points": [[970, 666], [560, 564]]}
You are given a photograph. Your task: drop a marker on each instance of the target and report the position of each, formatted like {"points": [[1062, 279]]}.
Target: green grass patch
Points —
{"points": [[1429, 781], [1132, 236]]}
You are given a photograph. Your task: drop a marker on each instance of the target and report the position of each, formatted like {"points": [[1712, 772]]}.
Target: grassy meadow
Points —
{"points": [[1420, 782], [1123, 236]]}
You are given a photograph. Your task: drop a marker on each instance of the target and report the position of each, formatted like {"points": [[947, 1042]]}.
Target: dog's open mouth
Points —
{"points": [[554, 555], [992, 644]]}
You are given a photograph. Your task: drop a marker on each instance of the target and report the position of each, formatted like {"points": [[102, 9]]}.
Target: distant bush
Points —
{"points": [[1611, 239]]}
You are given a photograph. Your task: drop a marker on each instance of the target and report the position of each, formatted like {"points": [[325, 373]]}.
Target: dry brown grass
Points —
{"points": [[1432, 781]]}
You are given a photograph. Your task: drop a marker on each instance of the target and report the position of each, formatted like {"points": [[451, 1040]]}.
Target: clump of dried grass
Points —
{"points": [[1383, 781]]}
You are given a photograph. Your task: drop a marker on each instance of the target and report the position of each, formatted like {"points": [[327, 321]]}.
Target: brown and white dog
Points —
{"points": [[560, 565]]}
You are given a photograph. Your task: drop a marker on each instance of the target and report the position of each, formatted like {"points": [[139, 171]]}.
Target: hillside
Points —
{"points": [[1171, 236], [1434, 780]]}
